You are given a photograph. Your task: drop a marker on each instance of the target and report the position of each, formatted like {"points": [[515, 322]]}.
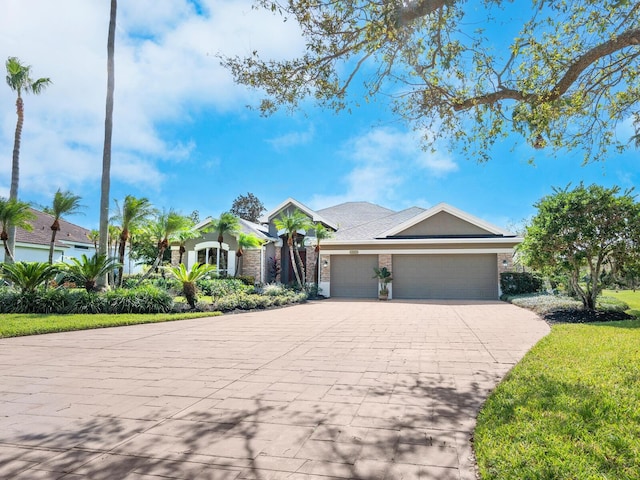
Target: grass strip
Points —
{"points": [[570, 409], [15, 325]]}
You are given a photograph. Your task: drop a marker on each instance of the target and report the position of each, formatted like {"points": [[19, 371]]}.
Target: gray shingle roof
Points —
{"points": [[41, 234], [364, 220]]}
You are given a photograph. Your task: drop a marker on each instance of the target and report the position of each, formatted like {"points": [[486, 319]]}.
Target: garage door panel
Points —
{"points": [[459, 276], [351, 276]]}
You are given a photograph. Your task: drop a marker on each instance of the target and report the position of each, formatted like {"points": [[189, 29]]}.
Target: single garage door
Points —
{"points": [[456, 276], [351, 276]]}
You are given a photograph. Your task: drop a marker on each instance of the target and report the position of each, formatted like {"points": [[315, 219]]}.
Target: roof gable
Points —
{"points": [[443, 220], [292, 204]]}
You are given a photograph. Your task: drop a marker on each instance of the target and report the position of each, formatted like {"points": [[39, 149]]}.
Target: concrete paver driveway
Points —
{"points": [[330, 389]]}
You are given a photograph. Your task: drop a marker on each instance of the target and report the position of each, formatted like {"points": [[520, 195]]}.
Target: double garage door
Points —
{"points": [[455, 276]]}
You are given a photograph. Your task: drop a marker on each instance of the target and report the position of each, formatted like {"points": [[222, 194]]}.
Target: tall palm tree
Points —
{"points": [[64, 203], [245, 240], [14, 213], [20, 81], [133, 212], [105, 184], [227, 224], [322, 233], [94, 236], [290, 224], [164, 229]]}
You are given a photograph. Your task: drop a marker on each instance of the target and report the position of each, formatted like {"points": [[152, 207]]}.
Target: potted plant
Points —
{"points": [[384, 277]]}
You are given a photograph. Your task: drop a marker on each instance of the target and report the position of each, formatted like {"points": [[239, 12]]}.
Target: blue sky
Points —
{"points": [[184, 138]]}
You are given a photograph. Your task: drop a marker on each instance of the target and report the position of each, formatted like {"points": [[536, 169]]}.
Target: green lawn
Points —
{"points": [[569, 410], [630, 297], [16, 324]]}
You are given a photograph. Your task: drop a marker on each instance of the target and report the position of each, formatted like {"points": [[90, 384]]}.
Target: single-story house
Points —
{"points": [[436, 253], [33, 246]]}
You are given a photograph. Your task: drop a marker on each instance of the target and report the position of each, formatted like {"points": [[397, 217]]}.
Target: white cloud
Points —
{"points": [[383, 160], [292, 139], [165, 69]]}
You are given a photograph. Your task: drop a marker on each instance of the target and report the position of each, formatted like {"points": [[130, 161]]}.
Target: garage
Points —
{"points": [[351, 276], [454, 276]]}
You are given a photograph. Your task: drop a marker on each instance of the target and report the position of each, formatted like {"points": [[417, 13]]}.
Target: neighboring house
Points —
{"points": [[436, 253], [72, 241]]}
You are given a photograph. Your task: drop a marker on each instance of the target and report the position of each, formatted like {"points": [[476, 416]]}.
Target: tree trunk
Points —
{"points": [[189, 290], [300, 265], [124, 236], [238, 257], [15, 175], [106, 152], [317, 266], [54, 231], [294, 267], [162, 247]]}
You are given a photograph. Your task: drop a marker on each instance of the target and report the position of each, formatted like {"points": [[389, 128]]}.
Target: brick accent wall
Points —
{"points": [[385, 260], [251, 263], [502, 257], [325, 270]]}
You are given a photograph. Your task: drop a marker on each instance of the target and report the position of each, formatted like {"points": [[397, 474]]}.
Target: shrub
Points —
{"points": [[144, 299], [249, 280], [221, 287], [518, 283]]}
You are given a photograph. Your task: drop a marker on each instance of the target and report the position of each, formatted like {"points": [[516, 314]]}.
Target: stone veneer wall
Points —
{"points": [[175, 256], [251, 263], [310, 268], [278, 259]]}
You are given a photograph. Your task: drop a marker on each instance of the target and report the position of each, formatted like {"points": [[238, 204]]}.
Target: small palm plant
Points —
{"points": [[87, 270], [27, 276], [189, 279], [384, 277]]}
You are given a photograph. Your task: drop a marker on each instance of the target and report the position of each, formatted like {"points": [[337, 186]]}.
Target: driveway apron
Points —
{"points": [[323, 390]]}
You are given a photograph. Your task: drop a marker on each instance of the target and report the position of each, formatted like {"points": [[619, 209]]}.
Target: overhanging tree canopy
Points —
{"points": [[562, 74]]}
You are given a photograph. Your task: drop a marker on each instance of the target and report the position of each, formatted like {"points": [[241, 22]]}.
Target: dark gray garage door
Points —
{"points": [[351, 276], [460, 276]]}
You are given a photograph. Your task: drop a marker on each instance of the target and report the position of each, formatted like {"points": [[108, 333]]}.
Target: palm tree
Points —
{"points": [[20, 81], [105, 184], [94, 236], [164, 229], [14, 213], [64, 203], [226, 224], [245, 240], [291, 223], [88, 270], [189, 279], [182, 237], [28, 275], [322, 233], [134, 211]]}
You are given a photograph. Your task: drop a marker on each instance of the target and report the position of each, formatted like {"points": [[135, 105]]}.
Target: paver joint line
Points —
{"points": [[331, 389]]}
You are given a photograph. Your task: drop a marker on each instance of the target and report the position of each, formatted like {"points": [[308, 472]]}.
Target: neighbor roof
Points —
{"points": [[41, 233]]}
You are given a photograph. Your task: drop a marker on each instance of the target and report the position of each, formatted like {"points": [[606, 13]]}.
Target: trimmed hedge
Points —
{"points": [[518, 283], [251, 301]]}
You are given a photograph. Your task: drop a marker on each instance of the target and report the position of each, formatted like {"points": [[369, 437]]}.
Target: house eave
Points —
{"points": [[427, 241]]}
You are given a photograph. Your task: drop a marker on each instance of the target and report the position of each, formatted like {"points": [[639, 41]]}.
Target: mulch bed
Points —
{"points": [[585, 316]]}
